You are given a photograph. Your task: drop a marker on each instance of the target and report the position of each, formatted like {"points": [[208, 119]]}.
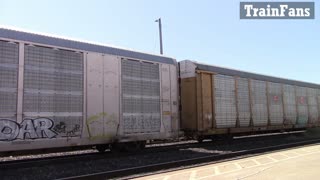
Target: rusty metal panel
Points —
{"points": [[225, 101], [188, 104], [53, 88], [9, 57], [207, 100], [259, 103], [243, 102], [290, 107], [302, 105], [275, 103], [141, 97], [199, 102], [312, 105]]}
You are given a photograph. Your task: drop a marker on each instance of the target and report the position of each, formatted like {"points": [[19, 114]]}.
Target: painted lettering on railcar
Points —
{"points": [[37, 128]]}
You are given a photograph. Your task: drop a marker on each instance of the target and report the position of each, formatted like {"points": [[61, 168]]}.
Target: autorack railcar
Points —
{"points": [[220, 101], [56, 92]]}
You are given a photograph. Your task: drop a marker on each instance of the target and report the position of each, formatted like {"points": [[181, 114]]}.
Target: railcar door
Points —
{"points": [[140, 97], [9, 63]]}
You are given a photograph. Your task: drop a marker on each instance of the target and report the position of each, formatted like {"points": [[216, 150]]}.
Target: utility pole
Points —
{"points": [[160, 34]]}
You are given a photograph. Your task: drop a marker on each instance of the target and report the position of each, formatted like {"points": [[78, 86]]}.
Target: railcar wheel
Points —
{"points": [[213, 139], [142, 144], [128, 146], [102, 148], [200, 139], [228, 138], [117, 147], [132, 146]]}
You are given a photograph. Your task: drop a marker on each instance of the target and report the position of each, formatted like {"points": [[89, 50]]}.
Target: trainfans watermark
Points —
{"points": [[276, 10]]}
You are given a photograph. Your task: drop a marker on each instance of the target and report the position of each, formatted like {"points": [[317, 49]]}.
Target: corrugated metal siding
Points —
{"points": [[275, 103], [53, 87], [231, 72], [9, 60], [225, 102], [41, 39], [302, 105], [312, 105], [140, 97], [243, 102], [290, 107], [259, 103]]}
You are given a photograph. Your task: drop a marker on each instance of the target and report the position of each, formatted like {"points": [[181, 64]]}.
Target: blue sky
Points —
{"points": [[206, 31]]}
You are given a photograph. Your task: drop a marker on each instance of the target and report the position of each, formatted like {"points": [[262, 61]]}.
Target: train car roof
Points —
{"points": [[53, 40], [244, 74]]}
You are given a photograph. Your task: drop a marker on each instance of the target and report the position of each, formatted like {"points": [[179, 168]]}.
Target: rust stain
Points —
{"points": [[166, 113], [111, 120]]}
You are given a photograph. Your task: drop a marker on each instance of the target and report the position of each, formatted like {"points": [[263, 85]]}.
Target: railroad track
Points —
{"points": [[58, 165], [187, 163], [155, 147], [12, 164]]}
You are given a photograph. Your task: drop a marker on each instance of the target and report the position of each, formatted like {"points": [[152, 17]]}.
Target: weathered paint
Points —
{"points": [[206, 91], [188, 104], [95, 94]]}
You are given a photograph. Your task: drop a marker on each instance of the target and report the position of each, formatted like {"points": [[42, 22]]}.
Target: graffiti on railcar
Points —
{"points": [[60, 127], [97, 121], [73, 131], [65, 130], [37, 128]]}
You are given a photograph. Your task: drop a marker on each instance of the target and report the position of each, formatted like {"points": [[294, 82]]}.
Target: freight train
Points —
{"points": [[58, 93]]}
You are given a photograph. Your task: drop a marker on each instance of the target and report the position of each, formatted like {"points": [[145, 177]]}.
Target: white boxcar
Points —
{"points": [[56, 92]]}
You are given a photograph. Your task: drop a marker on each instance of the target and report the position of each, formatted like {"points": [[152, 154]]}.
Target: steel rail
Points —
{"points": [[187, 163], [156, 147]]}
